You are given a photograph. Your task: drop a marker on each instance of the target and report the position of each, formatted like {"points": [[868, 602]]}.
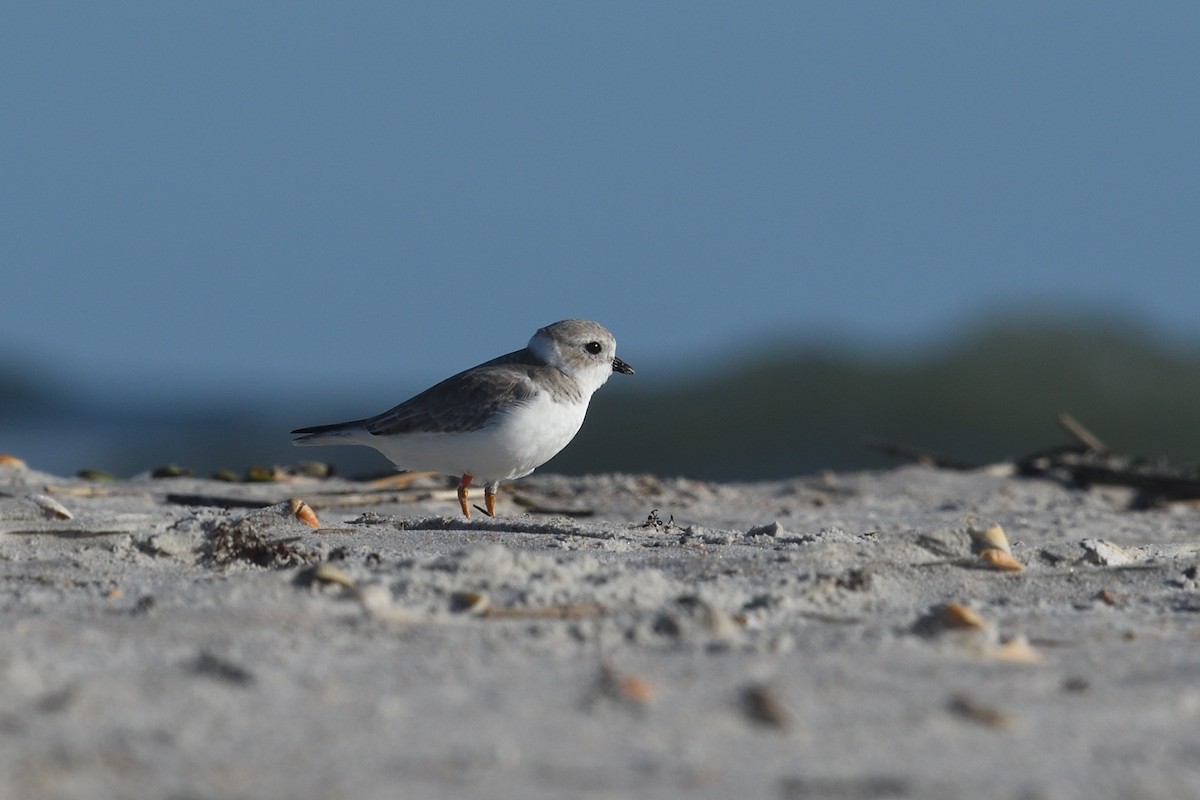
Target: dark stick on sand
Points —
{"points": [[1083, 435]]}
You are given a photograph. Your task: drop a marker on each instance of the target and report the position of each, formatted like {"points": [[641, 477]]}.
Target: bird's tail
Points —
{"points": [[338, 433]]}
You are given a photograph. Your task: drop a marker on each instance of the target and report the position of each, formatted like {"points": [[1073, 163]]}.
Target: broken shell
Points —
{"points": [[303, 512], [763, 707], [1019, 651], [51, 507], [376, 600], [639, 690], [976, 711], [1105, 554], [328, 573], [719, 623], [477, 603], [991, 537], [7, 460], [629, 688], [956, 615], [998, 559]]}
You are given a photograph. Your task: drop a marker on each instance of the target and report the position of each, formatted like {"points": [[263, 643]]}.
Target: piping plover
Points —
{"points": [[497, 421]]}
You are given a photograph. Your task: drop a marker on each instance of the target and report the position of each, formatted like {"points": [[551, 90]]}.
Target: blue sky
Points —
{"points": [[217, 199]]}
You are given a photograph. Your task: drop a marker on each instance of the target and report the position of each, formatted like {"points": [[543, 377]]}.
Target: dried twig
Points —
{"points": [[1083, 435]]}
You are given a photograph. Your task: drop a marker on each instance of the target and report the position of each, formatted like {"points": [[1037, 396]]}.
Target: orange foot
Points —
{"points": [[489, 497], [463, 486]]}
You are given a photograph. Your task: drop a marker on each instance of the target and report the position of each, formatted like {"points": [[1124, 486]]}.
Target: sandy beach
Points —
{"points": [[866, 635]]}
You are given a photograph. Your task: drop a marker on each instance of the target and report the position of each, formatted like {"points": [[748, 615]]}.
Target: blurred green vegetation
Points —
{"points": [[989, 394], [982, 395]]}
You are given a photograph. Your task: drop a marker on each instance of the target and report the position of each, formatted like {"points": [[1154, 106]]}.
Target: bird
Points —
{"points": [[497, 421]]}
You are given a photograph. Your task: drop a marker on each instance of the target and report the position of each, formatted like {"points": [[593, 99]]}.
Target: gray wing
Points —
{"points": [[464, 402]]}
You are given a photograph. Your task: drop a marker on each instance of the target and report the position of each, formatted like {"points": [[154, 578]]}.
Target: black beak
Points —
{"points": [[621, 367]]}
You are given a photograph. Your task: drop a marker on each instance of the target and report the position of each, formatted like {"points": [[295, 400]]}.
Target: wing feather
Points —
{"points": [[465, 402]]}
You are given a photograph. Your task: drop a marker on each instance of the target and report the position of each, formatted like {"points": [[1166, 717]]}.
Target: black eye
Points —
{"points": [[593, 347]]}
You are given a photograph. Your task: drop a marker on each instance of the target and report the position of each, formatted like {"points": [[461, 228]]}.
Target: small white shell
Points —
{"points": [[991, 537], [373, 597], [328, 573], [376, 600], [50, 507]]}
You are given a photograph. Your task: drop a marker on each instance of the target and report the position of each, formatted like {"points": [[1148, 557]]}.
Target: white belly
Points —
{"points": [[513, 446]]}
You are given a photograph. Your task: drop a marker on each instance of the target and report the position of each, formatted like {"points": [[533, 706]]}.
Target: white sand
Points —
{"points": [[808, 658]]}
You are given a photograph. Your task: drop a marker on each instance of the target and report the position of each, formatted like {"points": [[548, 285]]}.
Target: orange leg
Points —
{"points": [[463, 486], [489, 497]]}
